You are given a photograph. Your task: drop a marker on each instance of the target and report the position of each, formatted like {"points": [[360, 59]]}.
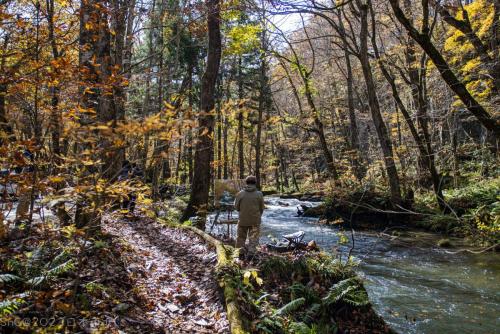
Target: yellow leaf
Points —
{"points": [[246, 277], [204, 132], [56, 179], [168, 106]]}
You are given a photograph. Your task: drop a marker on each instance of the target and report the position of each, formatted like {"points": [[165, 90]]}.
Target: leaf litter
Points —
{"points": [[173, 272]]}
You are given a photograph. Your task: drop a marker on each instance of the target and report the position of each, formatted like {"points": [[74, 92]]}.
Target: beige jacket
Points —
{"points": [[250, 204]]}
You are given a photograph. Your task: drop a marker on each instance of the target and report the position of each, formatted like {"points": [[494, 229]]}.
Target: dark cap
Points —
{"points": [[251, 179]]}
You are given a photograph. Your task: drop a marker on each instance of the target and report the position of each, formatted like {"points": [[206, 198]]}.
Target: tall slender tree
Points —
{"points": [[198, 200]]}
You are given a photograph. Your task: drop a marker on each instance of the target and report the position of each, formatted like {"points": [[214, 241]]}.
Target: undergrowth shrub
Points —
{"points": [[475, 211], [302, 294]]}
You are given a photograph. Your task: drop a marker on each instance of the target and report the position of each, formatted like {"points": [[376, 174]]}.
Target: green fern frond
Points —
{"points": [[291, 307], [337, 294], [9, 278], [303, 328], [324, 329], [10, 306], [261, 298], [60, 258], [35, 264], [270, 325], [357, 298], [53, 272], [36, 281], [349, 291], [37, 255], [299, 328], [312, 312], [61, 269], [298, 290]]}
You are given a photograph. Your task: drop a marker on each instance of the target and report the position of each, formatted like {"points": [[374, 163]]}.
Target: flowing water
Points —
{"points": [[414, 285]]}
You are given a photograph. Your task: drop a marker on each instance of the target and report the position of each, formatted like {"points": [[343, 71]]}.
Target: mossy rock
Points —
{"points": [[291, 195], [445, 243], [269, 192], [316, 211]]}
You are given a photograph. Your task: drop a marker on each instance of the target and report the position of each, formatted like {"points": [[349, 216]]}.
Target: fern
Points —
{"points": [[270, 325], [348, 291], [10, 306], [312, 312], [51, 273], [337, 294], [299, 328], [60, 258], [298, 290], [357, 298], [34, 266], [261, 298], [324, 329], [36, 281], [303, 328], [9, 278], [291, 307], [61, 269], [276, 266]]}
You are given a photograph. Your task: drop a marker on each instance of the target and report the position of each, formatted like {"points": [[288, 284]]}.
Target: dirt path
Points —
{"points": [[173, 272]]}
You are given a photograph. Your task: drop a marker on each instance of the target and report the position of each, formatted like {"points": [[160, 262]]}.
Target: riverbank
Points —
{"points": [[417, 287], [473, 212], [305, 293]]}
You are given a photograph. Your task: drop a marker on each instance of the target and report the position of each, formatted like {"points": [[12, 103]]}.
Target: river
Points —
{"points": [[414, 285]]}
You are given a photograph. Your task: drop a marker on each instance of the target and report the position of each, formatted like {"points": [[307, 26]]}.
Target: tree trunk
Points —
{"points": [[354, 135], [446, 73], [382, 132], [219, 134], [263, 104], [179, 160], [225, 154], [241, 157], [95, 69], [55, 114], [129, 40], [481, 49], [198, 200], [189, 155], [4, 124], [416, 76], [318, 128], [358, 168], [119, 26]]}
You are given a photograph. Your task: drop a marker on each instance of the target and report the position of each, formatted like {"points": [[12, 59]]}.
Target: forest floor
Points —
{"points": [[134, 276], [173, 271]]}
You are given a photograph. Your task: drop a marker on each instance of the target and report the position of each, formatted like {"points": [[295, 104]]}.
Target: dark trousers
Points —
{"points": [[129, 203]]}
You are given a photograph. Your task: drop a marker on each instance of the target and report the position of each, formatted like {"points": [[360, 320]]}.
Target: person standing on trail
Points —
{"points": [[249, 202], [130, 172], [25, 191]]}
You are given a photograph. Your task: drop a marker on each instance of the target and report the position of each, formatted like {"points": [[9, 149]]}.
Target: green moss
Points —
{"points": [[440, 223], [474, 195], [444, 243], [475, 211]]}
